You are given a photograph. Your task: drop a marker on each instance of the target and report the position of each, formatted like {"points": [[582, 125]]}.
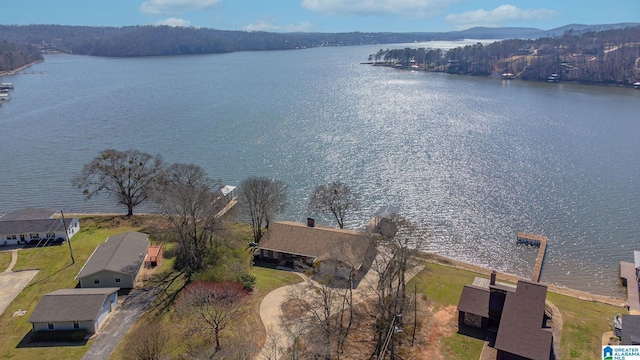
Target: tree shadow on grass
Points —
{"points": [[45, 279], [168, 295], [53, 339]]}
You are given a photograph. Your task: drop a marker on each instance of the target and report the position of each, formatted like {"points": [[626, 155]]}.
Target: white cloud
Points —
{"points": [[269, 24], [175, 22], [162, 7], [409, 8], [498, 16]]}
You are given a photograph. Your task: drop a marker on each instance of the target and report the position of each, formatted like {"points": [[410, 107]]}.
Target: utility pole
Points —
{"points": [[73, 261]]}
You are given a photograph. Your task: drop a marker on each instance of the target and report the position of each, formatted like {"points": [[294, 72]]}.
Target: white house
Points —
{"points": [[74, 309], [35, 225]]}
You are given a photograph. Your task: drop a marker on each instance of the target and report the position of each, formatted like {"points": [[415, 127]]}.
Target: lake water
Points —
{"points": [[470, 160]]}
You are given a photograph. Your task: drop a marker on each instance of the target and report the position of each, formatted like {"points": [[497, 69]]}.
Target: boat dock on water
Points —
{"points": [[535, 240], [6, 86]]}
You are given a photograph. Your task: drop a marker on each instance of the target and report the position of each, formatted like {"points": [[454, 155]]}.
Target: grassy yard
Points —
{"points": [[441, 286], [584, 321], [5, 260], [584, 324], [55, 272], [248, 325]]}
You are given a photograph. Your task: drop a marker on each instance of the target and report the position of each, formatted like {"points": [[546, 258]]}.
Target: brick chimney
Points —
{"points": [[311, 222], [493, 278]]}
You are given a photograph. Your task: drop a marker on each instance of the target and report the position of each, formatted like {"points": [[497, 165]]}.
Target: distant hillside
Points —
{"points": [[590, 57], [164, 40], [14, 56]]}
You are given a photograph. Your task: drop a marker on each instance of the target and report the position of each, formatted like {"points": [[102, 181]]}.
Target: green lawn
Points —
{"points": [[584, 324], [55, 272], [5, 260]]}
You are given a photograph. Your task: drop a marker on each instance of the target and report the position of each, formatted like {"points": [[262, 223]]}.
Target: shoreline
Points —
{"points": [[447, 261], [562, 290], [13, 72]]}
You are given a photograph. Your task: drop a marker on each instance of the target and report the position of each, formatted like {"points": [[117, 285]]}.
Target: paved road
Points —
{"points": [[119, 322]]}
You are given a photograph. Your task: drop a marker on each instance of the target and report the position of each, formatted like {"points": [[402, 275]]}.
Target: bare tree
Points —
{"points": [[398, 246], [215, 304], [150, 341], [262, 198], [129, 176], [190, 201], [337, 199], [330, 315]]}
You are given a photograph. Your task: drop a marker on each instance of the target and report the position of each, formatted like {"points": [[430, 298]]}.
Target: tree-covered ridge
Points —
{"points": [[144, 40], [603, 57], [14, 56]]}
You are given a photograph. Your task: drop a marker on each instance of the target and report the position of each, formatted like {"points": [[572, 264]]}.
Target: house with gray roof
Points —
{"points": [[35, 226], [116, 262], [74, 309]]}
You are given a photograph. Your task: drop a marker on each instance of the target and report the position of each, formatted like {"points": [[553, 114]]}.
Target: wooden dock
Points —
{"points": [[628, 274], [536, 240]]}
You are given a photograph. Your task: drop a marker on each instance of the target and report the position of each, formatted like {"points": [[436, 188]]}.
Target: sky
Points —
{"points": [[329, 16]]}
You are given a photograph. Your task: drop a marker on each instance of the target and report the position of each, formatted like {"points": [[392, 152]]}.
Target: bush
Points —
{"points": [[248, 281]]}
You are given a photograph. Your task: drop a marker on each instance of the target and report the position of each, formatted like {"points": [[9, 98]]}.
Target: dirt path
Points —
{"points": [[14, 260]]}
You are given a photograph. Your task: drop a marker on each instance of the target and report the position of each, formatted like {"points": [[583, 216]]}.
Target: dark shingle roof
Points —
{"points": [[630, 329], [122, 253], [27, 214], [520, 330], [474, 300], [71, 305], [316, 242]]}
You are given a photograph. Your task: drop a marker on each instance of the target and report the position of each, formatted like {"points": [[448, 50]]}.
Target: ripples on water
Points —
{"points": [[471, 161]]}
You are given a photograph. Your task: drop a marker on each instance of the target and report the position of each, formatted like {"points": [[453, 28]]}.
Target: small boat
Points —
{"points": [[4, 97], [508, 76], [553, 78], [636, 85], [4, 91], [6, 85]]}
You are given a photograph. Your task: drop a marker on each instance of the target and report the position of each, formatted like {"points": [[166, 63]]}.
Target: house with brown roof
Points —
{"points": [[116, 262], [74, 309], [338, 251], [32, 225], [516, 315]]}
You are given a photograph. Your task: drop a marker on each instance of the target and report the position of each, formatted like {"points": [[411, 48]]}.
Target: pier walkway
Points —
{"points": [[536, 240], [628, 274]]}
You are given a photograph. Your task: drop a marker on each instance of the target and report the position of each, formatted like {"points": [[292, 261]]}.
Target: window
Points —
{"points": [[50, 326], [275, 254], [34, 236], [76, 326], [8, 237], [118, 279], [96, 280]]}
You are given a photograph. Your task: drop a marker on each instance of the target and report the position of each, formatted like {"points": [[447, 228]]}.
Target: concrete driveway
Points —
{"points": [[119, 322], [12, 282]]}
